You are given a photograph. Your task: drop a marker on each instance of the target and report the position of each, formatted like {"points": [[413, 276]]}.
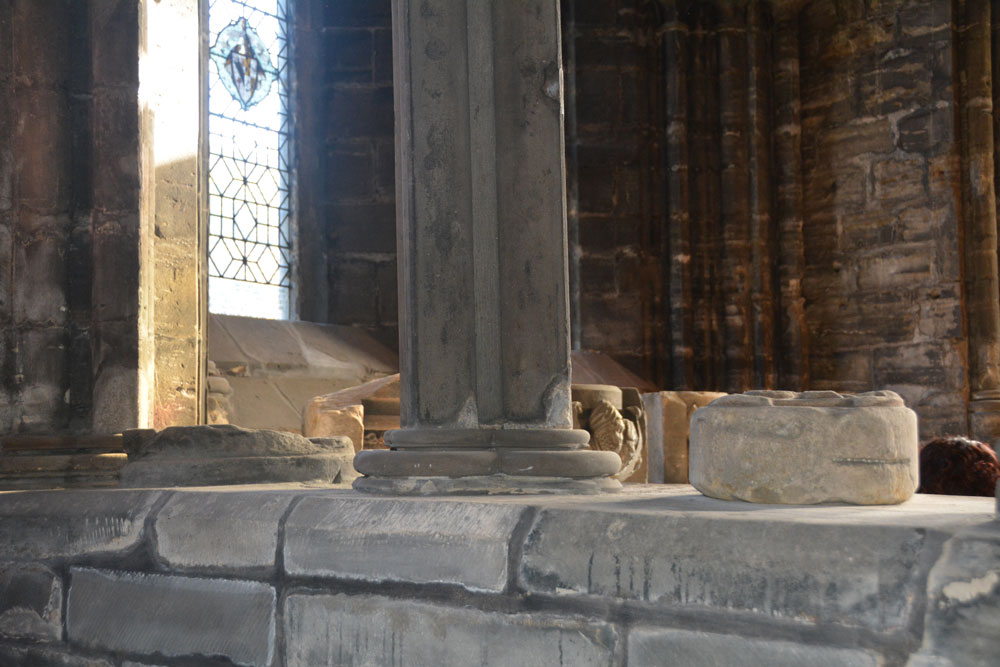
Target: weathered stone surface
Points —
{"points": [[20, 656], [727, 558], [655, 647], [172, 616], [366, 630], [30, 602], [814, 447], [668, 426], [227, 454], [963, 604], [63, 524], [208, 531], [398, 540], [348, 421]]}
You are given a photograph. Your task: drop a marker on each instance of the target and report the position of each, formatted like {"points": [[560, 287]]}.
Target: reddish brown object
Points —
{"points": [[958, 466]]}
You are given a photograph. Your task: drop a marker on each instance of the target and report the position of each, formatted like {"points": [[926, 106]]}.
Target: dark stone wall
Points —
{"points": [[348, 117], [68, 230], [614, 134]]}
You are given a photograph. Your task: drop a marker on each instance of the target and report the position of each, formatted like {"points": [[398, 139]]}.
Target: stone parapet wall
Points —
{"points": [[291, 576]]}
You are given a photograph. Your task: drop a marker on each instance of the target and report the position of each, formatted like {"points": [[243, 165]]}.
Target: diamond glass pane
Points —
{"points": [[249, 178]]}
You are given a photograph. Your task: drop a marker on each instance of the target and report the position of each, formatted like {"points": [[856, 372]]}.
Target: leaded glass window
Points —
{"points": [[249, 162]]}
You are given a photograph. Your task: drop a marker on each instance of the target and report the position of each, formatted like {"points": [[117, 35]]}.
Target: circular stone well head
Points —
{"points": [[806, 448]]}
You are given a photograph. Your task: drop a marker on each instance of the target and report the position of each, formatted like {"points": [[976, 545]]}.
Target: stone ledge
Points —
{"points": [[401, 540], [46, 525], [220, 531]]}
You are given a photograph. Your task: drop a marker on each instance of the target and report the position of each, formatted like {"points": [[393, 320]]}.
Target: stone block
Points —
{"points": [[774, 563], [365, 630], [33, 656], [963, 602], [30, 602], [220, 531], [348, 421], [65, 524], [668, 428], [814, 447], [401, 540], [256, 402], [172, 616], [360, 112], [364, 228], [227, 454], [652, 647]]}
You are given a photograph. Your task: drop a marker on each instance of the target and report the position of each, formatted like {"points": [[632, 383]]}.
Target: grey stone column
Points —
{"points": [[481, 223]]}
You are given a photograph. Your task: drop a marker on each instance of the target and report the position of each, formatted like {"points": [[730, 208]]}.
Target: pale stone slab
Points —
{"points": [[814, 447], [796, 567], [654, 648], [362, 630], [63, 524], [668, 421], [30, 602], [962, 623], [209, 531], [172, 616], [400, 540]]}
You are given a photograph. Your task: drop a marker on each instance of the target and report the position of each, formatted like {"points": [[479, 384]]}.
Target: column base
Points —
{"points": [[485, 485]]}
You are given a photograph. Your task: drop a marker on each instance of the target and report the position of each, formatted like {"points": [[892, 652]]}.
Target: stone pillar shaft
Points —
{"points": [[481, 220]]}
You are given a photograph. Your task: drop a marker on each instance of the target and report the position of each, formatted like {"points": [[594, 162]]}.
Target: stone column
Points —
{"points": [[481, 220]]}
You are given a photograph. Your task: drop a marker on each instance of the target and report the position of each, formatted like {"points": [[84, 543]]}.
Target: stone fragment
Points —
{"points": [[652, 647], [668, 426], [30, 602], [963, 601], [733, 560], [364, 630], [172, 616], [401, 540], [220, 531], [33, 656], [226, 454], [375, 402], [64, 524], [813, 447], [348, 421]]}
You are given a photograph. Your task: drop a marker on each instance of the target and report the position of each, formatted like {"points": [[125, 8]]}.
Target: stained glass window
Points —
{"points": [[250, 161]]}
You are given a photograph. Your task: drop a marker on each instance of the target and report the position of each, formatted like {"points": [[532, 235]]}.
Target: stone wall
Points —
{"points": [[293, 577], [69, 201], [348, 217]]}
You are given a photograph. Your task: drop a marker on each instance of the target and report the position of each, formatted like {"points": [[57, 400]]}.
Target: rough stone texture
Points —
{"points": [[226, 454], [378, 631], [963, 608], [814, 447], [172, 616], [41, 526], [20, 656], [387, 540], [652, 648], [225, 531], [668, 427], [740, 558], [30, 602]]}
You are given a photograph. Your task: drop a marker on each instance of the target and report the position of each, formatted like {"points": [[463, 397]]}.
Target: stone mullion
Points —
{"points": [[678, 251], [734, 197], [792, 336], [761, 197], [982, 288]]}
